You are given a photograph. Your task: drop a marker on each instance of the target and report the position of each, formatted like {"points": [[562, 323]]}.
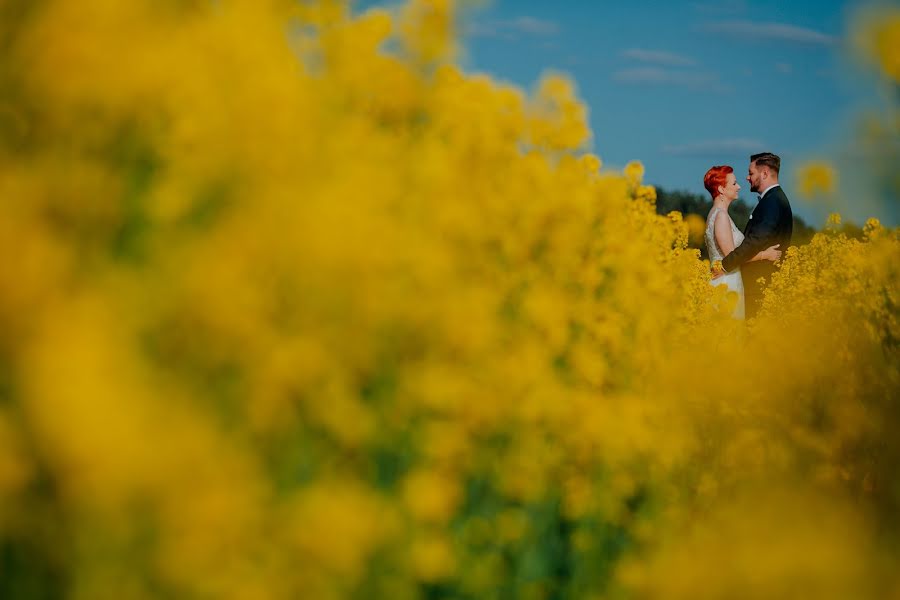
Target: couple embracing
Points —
{"points": [[747, 256]]}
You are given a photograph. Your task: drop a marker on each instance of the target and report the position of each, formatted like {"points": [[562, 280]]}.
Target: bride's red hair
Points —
{"points": [[715, 177]]}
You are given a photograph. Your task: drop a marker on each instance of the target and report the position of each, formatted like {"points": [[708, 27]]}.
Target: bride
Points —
{"points": [[723, 236]]}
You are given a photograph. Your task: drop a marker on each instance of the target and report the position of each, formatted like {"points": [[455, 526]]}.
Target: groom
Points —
{"points": [[771, 222]]}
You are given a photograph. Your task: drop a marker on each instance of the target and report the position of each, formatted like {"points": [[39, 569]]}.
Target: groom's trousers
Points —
{"points": [[751, 273]]}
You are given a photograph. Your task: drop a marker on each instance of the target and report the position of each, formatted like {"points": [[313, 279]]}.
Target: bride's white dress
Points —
{"points": [[732, 280]]}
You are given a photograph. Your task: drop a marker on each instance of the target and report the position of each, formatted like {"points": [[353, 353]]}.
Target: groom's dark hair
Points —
{"points": [[767, 159]]}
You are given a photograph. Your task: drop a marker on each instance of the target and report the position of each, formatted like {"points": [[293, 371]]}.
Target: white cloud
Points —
{"points": [[481, 29], [534, 26], [658, 57], [661, 75], [511, 28], [707, 82], [717, 149], [784, 68], [721, 7], [769, 31]]}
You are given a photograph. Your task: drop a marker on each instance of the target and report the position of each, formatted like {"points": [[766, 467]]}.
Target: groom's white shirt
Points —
{"points": [[765, 191], [774, 185]]}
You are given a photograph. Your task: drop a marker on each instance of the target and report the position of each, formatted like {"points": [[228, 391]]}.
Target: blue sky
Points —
{"points": [[684, 85]]}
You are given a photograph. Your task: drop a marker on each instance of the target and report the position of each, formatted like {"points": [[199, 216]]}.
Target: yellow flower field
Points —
{"points": [[293, 307]]}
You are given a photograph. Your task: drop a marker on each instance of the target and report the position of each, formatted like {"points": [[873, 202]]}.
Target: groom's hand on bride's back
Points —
{"points": [[772, 253]]}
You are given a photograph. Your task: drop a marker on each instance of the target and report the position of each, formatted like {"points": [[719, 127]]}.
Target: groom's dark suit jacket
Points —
{"points": [[771, 222]]}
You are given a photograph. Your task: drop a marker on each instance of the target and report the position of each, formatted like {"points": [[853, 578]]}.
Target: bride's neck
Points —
{"points": [[721, 202]]}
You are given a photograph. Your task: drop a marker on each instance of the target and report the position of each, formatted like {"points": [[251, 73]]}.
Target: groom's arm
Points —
{"points": [[760, 234]]}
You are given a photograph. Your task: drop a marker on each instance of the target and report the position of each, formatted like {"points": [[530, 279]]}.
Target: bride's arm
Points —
{"points": [[724, 236], [725, 240]]}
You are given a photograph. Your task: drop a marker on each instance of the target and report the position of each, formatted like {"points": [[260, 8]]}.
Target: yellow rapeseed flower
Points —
{"points": [[816, 179]]}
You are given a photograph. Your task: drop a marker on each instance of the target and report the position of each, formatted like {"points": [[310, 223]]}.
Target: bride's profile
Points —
{"points": [[722, 235]]}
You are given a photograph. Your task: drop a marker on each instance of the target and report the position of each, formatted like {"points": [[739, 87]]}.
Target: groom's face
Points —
{"points": [[753, 177]]}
